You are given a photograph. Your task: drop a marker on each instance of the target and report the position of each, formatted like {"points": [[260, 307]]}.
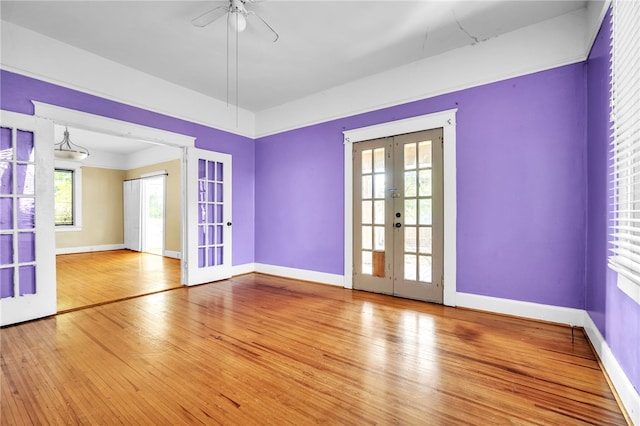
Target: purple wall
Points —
{"points": [[521, 188], [17, 91], [615, 314]]}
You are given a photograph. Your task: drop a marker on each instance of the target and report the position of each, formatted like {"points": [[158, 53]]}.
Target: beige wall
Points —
{"points": [[173, 211], [102, 221]]}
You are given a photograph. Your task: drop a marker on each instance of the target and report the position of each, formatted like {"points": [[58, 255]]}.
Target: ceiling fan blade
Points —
{"points": [[210, 16], [275, 34]]}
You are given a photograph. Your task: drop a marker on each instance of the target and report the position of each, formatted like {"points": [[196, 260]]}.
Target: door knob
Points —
{"points": [[398, 225], [228, 223]]}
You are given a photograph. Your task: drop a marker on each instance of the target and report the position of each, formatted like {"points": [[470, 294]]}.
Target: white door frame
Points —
{"points": [[110, 126], [446, 120]]}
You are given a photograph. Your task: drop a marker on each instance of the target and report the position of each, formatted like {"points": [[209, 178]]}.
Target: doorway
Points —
{"points": [[153, 195], [398, 215]]}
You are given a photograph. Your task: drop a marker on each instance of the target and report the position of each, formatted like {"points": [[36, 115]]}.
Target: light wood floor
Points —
{"points": [[264, 350], [87, 279]]}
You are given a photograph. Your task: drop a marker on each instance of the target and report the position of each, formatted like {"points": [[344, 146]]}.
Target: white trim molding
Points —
{"points": [[517, 308], [300, 274], [172, 254], [245, 268], [89, 249], [628, 395], [446, 120]]}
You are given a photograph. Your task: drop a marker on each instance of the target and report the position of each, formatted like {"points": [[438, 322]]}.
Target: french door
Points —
{"points": [[27, 243], [398, 215], [208, 210]]}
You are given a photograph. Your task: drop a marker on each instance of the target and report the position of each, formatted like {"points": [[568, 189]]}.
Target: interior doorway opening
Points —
{"points": [[153, 202]]}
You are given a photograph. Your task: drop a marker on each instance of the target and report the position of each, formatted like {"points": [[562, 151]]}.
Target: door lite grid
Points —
{"points": [[398, 215], [17, 213], [210, 213]]}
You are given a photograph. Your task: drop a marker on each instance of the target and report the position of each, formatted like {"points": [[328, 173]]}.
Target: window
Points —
{"points": [[63, 188], [67, 180], [625, 117]]}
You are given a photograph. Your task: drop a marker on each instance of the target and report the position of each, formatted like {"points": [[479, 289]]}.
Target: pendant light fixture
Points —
{"points": [[67, 150]]}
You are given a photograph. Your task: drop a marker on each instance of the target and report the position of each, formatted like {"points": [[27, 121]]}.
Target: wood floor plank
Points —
{"points": [[88, 279], [263, 350]]}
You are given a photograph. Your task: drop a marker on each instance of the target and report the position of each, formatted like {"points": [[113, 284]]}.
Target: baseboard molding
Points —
{"points": [[245, 268], [537, 311], [89, 249], [172, 254], [300, 274], [627, 393]]}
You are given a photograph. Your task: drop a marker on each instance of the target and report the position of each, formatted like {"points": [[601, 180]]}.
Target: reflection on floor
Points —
{"points": [[87, 279]]}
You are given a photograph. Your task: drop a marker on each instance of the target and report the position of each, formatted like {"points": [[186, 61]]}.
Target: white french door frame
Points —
{"points": [[96, 123], [446, 120]]}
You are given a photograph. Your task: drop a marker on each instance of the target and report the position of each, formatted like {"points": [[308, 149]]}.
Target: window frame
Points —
{"points": [[76, 169]]}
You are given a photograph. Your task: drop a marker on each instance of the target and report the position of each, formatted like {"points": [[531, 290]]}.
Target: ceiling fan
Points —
{"points": [[237, 15]]}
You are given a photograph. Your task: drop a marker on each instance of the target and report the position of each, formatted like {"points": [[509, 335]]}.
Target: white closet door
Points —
{"points": [[132, 215]]}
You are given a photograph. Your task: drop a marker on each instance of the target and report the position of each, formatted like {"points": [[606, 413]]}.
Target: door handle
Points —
{"points": [[397, 225], [228, 223]]}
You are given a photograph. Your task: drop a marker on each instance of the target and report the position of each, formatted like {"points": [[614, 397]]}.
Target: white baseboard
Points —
{"points": [[172, 254], [300, 274], [627, 393], [537, 311], [88, 249], [245, 268]]}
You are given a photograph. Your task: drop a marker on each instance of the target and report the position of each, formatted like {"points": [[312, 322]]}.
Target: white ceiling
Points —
{"points": [[322, 44]]}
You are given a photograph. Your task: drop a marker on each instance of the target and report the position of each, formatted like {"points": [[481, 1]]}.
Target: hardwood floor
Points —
{"points": [[265, 350], [87, 279]]}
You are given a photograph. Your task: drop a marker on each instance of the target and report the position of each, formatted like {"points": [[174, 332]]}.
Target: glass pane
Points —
{"points": [[211, 256], [6, 181], [6, 152], [63, 197], [378, 212], [202, 213], [6, 213], [211, 171], [24, 146], [6, 249], [219, 256], [367, 263], [410, 184], [202, 169], [425, 183], [211, 191], [425, 240], [26, 247], [410, 267], [26, 213], [202, 190], [378, 160], [410, 212], [219, 214], [425, 269], [211, 235], [367, 161], [367, 212], [378, 186], [424, 154], [202, 235], [378, 241], [211, 212], [219, 194], [219, 234], [410, 239], [201, 257], [219, 172], [367, 187], [6, 282], [27, 284], [425, 212], [410, 156], [367, 237]]}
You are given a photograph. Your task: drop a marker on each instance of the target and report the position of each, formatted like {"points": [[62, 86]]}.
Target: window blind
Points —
{"points": [[625, 150]]}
